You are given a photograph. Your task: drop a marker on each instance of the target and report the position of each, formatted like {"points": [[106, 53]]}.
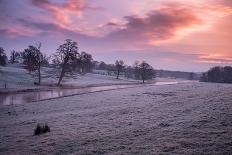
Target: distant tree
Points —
{"points": [[227, 75], [129, 72], [85, 61], [136, 70], [65, 53], [119, 65], [191, 76], [13, 56], [146, 71], [3, 57], [102, 65], [218, 74], [204, 77], [215, 74]]}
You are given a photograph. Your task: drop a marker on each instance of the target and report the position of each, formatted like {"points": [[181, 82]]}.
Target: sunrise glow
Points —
{"points": [[190, 30]]}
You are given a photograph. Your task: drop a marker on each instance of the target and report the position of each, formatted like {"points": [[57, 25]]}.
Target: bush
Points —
{"points": [[41, 129]]}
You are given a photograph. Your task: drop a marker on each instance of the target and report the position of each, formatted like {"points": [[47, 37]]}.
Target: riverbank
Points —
{"points": [[187, 118]]}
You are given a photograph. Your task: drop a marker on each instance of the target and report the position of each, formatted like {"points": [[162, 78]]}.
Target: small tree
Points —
{"points": [[119, 65], [146, 71], [65, 53], [3, 57]]}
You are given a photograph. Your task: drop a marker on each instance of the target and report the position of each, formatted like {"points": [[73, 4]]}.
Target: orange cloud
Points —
{"points": [[215, 59]]}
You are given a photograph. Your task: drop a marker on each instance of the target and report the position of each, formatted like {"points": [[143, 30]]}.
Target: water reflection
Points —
{"points": [[27, 97]]}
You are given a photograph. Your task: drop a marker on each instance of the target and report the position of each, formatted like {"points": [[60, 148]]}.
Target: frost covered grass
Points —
{"points": [[188, 118], [16, 78]]}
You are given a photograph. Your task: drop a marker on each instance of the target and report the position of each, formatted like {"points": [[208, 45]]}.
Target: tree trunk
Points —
{"points": [[62, 73], [39, 73], [118, 74]]}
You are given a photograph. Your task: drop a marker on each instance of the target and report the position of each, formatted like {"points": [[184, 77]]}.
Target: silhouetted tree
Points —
{"points": [[29, 58], [218, 74], [13, 56], [65, 53], [227, 75], [34, 59], [119, 65], [215, 74], [3, 57], [146, 71]]}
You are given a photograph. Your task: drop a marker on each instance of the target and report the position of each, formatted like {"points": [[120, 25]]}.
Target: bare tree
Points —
{"points": [[119, 65], [40, 59], [146, 71], [65, 53]]}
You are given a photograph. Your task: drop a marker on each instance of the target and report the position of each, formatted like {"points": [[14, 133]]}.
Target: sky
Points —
{"points": [[185, 35]]}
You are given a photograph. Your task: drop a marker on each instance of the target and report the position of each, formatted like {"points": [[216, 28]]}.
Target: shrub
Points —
{"points": [[41, 129]]}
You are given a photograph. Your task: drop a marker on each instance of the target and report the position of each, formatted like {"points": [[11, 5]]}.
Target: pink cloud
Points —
{"points": [[158, 25], [63, 12]]}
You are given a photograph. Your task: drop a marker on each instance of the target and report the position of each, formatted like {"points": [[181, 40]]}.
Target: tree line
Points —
{"points": [[68, 59], [218, 74]]}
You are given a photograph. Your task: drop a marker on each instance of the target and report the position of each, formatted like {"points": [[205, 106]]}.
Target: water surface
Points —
{"points": [[27, 97]]}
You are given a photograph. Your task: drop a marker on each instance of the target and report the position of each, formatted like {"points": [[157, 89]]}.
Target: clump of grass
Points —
{"points": [[41, 129]]}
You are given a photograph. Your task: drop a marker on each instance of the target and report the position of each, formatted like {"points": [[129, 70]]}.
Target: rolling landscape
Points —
{"points": [[104, 77]]}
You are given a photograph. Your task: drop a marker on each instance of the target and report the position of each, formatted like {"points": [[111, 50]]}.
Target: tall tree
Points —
{"points": [[65, 53], [119, 65], [40, 60], [3, 57]]}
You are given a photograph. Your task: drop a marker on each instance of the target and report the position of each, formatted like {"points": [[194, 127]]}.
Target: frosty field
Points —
{"points": [[188, 118]]}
